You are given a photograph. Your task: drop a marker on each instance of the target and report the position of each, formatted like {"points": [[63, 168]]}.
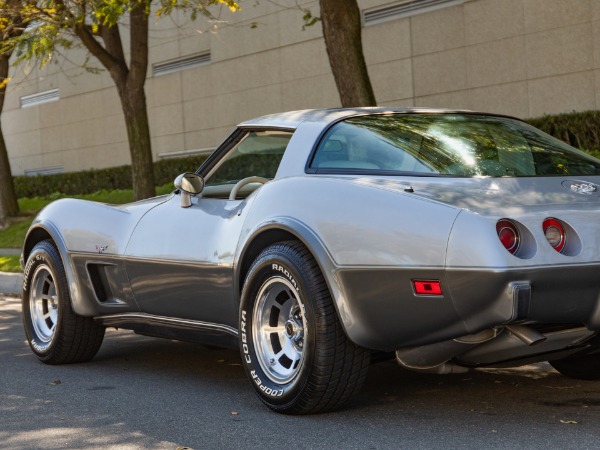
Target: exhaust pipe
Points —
{"points": [[433, 357], [528, 335]]}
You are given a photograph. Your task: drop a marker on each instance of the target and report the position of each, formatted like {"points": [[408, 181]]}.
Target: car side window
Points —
{"points": [[258, 154]]}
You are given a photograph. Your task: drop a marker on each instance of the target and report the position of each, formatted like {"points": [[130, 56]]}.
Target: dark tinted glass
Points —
{"points": [[257, 155], [447, 144]]}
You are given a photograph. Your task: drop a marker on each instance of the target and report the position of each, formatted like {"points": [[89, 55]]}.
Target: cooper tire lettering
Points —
{"points": [[285, 354]]}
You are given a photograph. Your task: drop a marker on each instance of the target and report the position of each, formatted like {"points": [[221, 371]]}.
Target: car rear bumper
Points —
{"points": [[382, 311]]}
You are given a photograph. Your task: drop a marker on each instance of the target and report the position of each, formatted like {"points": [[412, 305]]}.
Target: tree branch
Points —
{"points": [[112, 64], [113, 44]]}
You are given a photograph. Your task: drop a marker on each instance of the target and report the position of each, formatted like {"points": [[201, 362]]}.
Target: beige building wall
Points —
{"points": [[519, 57]]}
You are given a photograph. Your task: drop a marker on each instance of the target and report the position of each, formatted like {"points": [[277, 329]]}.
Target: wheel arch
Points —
{"points": [[285, 229], [34, 236], [45, 230], [257, 244]]}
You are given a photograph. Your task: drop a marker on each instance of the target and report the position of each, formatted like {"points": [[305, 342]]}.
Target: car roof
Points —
{"points": [[292, 119]]}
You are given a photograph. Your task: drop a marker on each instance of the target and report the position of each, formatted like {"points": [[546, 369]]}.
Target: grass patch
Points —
{"points": [[14, 235], [9, 264]]}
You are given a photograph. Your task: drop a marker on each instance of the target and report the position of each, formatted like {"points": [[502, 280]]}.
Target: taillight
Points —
{"points": [[555, 234], [509, 236]]}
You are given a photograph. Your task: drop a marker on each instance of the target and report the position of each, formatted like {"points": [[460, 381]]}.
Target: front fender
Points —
{"points": [[42, 229], [85, 232]]}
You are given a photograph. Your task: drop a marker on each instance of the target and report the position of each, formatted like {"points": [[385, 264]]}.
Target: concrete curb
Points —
{"points": [[11, 283], [10, 251]]}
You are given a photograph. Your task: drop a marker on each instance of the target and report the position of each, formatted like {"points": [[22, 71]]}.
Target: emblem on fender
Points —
{"points": [[584, 188], [100, 248]]}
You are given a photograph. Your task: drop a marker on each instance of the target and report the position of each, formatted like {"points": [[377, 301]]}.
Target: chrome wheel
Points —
{"points": [[43, 304], [55, 333], [279, 330], [293, 347]]}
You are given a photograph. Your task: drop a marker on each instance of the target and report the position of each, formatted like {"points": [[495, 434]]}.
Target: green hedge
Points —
{"points": [[579, 129], [90, 181]]}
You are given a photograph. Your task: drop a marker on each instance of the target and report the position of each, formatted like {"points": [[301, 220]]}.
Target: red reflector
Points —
{"points": [[508, 233], [427, 287]]}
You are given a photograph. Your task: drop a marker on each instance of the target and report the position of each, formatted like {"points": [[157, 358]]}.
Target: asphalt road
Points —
{"points": [[146, 393]]}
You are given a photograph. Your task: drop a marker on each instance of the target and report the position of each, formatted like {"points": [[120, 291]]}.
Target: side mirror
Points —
{"points": [[189, 184]]}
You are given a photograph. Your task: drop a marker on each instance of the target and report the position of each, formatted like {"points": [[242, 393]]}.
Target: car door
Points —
{"points": [[180, 260]]}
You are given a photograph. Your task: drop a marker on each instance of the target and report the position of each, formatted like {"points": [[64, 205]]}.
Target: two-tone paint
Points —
{"points": [[178, 272]]}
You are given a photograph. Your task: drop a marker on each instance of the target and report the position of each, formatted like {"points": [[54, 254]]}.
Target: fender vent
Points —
{"points": [[99, 282], [181, 64], [399, 10], [101, 275], [39, 98]]}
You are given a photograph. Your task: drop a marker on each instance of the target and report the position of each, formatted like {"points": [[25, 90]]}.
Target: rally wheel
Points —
{"points": [[294, 349], [55, 333]]}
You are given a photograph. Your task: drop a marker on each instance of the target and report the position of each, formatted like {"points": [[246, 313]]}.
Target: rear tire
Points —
{"points": [[294, 349], [581, 367], [55, 333]]}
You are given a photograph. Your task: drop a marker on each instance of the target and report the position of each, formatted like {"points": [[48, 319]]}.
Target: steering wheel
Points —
{"points": [[243, 182]]}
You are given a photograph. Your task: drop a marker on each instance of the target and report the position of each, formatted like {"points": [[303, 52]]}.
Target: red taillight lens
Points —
{"points": [[427, 287], [508, 233], [555, 234]]}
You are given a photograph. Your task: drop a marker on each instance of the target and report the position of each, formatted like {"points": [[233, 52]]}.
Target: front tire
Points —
{"points": [[293, 346], [55, 333]]}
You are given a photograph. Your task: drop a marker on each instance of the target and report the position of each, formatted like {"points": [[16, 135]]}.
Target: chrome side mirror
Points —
{"points": [[189, 184]]}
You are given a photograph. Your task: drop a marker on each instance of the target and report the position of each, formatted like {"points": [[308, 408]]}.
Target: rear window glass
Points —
{"points": [[447, 144]]}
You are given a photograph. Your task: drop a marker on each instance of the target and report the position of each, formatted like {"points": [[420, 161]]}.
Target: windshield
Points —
{"points": [[447, 144]]}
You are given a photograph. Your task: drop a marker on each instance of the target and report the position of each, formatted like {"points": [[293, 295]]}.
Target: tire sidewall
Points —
{"points": [[274, 265], [40, 257]]}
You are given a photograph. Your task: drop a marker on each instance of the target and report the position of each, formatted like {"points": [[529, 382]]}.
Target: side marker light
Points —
{"points": [[427, 287]]}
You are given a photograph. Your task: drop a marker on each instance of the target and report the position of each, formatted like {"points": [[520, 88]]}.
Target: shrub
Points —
{"points": [[579, 129], [89, 181]]}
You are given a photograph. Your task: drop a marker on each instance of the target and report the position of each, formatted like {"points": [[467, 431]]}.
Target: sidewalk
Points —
{"points": [[10, 283]]}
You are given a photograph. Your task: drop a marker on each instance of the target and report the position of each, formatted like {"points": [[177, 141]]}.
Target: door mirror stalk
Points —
{"points": [[189, 184]]}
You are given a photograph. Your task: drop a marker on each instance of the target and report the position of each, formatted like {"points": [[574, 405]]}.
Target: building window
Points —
{"points": [[39, 98], [178, 64], [406, 8], [44, 171]]}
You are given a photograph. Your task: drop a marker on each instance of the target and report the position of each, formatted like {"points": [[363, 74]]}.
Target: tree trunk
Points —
{"points": [[8, 198], [130, 83], [138, 134], [342, 32]]}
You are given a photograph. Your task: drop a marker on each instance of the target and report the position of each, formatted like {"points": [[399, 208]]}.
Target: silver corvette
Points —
{"points": [[317, 241]]}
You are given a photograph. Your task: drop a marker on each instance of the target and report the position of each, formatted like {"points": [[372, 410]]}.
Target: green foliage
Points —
{"points": [[14, 235], [579, 129], [308, 18], [193, 7], [9, 264], [59, 24], [90, 181]]}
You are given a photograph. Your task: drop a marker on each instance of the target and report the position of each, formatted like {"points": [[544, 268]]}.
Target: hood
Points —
{"points": [[489, 195]]}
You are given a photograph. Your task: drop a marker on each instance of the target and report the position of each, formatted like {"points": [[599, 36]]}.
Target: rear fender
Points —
{"points": [[285, 228]]}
